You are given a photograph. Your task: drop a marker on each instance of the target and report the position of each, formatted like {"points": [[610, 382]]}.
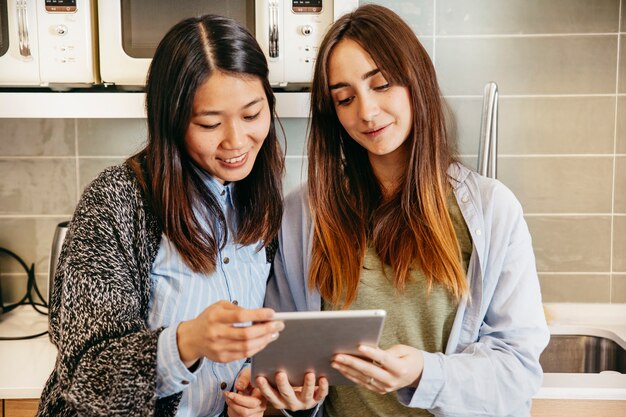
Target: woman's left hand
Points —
{"points": [[397, 367], [284, 396], [248, 401]]}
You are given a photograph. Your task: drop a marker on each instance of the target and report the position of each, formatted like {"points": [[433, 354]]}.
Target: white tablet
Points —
{"points": [[310, 339]]}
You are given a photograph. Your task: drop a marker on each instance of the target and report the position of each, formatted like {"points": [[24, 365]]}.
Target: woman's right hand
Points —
{"points": [[213, 335], [284, 396]]}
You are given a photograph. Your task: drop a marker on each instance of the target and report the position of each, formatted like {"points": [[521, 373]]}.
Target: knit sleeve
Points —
{"points": [[107, 354]]}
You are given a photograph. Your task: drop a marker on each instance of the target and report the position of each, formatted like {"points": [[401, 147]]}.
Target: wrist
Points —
{"points": [[420, 370], [185, 345]]}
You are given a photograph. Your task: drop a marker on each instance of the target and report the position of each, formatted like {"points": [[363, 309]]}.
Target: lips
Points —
{"points": [[236, 159], [376, 131]]}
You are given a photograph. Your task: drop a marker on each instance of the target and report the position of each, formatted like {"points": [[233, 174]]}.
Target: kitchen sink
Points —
{"points": [[582, 354]]}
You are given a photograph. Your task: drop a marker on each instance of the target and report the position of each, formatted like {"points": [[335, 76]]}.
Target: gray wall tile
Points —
{"points": [[618, 288], [89, 168], [620, 185], [111, 137], [544, 65], [37, 137], [464, 115], [575, 288], [480, 17], [540, 125], [619, 244], [417, 13], [560, 125], [37, 186], [559, 184], [571, 243]]}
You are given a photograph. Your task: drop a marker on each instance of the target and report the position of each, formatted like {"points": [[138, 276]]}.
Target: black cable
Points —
{"points": [[32, 336], [27, 299]]}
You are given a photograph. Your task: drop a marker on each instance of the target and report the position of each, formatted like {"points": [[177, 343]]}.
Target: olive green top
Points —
{"points": [[415, 317]]}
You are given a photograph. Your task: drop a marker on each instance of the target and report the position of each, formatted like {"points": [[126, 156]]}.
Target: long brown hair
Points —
{"points": [[185, 58], [412, 228]]}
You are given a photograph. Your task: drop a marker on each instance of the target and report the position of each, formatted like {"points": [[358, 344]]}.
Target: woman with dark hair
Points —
{"points": [[392, 220], [166, 259]]}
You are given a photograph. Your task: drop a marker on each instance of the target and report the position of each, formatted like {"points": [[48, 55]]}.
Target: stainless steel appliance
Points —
{"points": [[288, 31], [55, 251], [48, 43]]}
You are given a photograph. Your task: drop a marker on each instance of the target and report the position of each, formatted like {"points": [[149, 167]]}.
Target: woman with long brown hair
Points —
{"points": [[390, 219], [166, 258]]}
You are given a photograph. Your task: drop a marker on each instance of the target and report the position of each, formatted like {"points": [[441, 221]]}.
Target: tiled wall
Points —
{"points": [[560, 67]]}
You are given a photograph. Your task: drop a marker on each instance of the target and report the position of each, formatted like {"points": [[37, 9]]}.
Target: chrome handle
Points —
{"points": [[488, 145], [55, 251], [22, 29], [273, 29]]}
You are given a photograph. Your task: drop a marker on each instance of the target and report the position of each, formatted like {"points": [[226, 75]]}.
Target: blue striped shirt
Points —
{"points": [[179, 294]]}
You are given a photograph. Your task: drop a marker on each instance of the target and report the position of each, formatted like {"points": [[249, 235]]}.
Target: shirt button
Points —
{"points": [[478, 232], [226, 260], [223, 385], [465, 198], [223, 192], [184, 382], [235, 302]]}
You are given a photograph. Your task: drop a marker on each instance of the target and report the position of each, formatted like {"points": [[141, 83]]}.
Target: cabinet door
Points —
{"points": [[20, 408]]}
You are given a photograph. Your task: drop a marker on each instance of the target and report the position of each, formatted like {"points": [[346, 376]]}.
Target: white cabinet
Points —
{"points": [[94, 105]]}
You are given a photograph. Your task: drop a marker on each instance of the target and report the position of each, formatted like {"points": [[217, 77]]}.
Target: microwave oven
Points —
{"points": [[48, 43], [288, 31]]}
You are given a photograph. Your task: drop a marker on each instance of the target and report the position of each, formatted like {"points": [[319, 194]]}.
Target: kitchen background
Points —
{"points": [[560, 67]]}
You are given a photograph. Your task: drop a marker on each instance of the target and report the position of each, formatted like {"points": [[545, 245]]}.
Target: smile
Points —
{"points": [[235, 159], [376, 131]]}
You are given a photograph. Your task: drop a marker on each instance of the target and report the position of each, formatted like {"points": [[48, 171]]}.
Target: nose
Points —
{"points": [[368, 108], [233, 136]]}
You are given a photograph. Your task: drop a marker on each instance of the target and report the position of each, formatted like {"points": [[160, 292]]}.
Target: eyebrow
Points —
{"points": [[217, 112], [365, 76]]}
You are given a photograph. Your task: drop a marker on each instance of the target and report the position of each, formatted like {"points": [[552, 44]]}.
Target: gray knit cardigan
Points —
{"points": [[106, 363]]}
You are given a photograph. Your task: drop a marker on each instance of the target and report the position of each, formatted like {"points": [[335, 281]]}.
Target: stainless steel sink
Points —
{"points": [[582, 354]]}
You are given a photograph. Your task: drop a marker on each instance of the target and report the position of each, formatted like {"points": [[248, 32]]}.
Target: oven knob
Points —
{"points": [[306, 30], [61, 30]]}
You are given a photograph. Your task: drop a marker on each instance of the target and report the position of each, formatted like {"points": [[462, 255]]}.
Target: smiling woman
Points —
{"points": [[164, 257], [391, 220], [230, 121]]}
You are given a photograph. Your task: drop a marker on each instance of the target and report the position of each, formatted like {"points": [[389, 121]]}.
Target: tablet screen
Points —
{"points": [[310, 339]]}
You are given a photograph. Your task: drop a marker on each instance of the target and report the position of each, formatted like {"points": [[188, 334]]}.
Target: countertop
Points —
{"points": [[25, 365]]}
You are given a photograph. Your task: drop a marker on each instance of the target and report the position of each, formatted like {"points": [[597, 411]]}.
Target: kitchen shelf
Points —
{"points": [[118, 104]]}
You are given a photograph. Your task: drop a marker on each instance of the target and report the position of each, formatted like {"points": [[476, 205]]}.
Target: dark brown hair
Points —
{"points": [[410, 229], [185, 58]]}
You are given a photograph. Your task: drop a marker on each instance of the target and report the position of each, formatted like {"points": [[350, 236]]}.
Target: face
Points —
{"points": [[374, 113], [230, 121]]}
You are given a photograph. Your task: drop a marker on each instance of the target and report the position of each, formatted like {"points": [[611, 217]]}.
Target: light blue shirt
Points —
{"points": [[491, 364], [179, 294]]}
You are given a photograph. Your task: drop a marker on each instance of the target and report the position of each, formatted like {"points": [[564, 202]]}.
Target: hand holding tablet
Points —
{"points": [[311, 339]]}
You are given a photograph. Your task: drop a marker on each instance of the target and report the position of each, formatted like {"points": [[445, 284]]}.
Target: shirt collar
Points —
{"points": [[222, 192]]}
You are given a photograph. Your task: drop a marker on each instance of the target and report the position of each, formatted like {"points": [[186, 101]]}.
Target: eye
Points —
{"points": [[345, 101], [208, 127], [252, 117], [383, 87]]}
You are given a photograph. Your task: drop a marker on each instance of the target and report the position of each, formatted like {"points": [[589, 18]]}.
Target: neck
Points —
{"points": [[390, 169]]}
